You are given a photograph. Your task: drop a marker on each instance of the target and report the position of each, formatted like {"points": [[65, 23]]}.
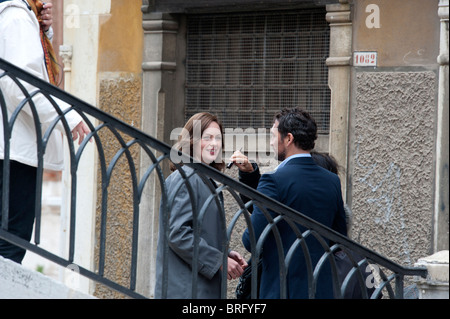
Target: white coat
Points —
{"points": [[20, 45]]}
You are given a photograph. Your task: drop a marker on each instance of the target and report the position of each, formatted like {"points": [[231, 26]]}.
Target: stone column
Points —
{"points": [[81, 33], [158, 112], [339, 64], [65, 52], [441, 200], [435, 286]]}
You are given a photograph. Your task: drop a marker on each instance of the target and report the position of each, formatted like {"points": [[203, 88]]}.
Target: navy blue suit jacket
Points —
{"points": [[314, 192]]}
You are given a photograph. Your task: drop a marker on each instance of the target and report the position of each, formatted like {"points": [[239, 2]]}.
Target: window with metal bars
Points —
{"points": [[245, 67]]}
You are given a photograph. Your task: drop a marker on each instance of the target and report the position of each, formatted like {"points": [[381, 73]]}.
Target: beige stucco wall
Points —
{"points": [[408, 32], [393, 129], [392, 173], [121, 39], [119, 94]]}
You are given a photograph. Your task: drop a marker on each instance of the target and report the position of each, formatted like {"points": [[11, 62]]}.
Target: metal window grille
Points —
{"points": [[245, 67]]}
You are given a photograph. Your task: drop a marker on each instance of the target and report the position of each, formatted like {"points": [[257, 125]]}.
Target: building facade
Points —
{"points": [[387, 65], [373, 73]]}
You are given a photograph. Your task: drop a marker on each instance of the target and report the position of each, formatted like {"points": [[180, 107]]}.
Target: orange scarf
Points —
{"points": [[49, 53]]}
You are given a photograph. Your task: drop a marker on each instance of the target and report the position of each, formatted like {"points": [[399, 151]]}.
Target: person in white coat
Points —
{"points": [[24, 29]]}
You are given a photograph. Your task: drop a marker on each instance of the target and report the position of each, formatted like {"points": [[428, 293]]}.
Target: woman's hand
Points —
{"points": [[236, 265], [241, 161]]}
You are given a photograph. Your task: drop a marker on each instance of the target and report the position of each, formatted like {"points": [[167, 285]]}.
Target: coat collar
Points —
{"points": [[294, 157]]}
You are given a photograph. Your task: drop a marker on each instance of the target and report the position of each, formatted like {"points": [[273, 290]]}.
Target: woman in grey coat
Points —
{"points": [[181, 185]]}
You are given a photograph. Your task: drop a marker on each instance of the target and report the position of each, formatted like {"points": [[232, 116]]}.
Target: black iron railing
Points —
{"points": [[389, 276]]}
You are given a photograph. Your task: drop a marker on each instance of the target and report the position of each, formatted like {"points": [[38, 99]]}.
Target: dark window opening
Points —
{"points": [[245, 67]]}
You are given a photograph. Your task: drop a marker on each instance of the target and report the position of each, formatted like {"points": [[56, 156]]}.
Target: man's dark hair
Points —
{"points": [[300, 124]]}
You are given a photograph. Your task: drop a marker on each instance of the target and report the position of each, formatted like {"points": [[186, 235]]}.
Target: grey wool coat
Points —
{"points": [[180, 239]]}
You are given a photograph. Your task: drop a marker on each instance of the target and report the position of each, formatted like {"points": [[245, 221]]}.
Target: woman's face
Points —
{"points": [[211, 143]]}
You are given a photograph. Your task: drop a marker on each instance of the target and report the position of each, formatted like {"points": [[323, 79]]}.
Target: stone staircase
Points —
{"points": [[17, 282]]}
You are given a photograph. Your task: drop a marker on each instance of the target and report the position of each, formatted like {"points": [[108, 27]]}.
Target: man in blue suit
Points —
{"points": [[306, 187]]}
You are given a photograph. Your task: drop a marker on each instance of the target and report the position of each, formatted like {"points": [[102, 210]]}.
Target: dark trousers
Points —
{"points": [[22, 197]]}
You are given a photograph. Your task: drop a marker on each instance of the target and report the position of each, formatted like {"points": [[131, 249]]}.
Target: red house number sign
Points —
{"points": [[365, 59]]}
